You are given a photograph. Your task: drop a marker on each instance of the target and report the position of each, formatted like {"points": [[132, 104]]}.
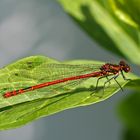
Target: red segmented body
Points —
{"points": [[105, 70]]}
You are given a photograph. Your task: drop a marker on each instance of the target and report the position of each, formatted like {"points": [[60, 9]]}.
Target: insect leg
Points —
{"points": [[98, 83], [114, 77], [124, 76]]}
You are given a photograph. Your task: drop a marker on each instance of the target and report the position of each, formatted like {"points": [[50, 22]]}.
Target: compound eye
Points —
{"points": [[126, 69]]}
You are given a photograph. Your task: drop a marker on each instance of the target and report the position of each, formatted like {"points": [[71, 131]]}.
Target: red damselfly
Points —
{"points": [[104, 70]]}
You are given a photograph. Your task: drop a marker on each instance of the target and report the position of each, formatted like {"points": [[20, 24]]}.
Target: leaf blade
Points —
{"points": [[25, 111]]}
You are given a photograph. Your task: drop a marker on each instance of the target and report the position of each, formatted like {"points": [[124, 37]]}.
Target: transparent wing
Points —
{"points": [[49, 72], [21, 78]]}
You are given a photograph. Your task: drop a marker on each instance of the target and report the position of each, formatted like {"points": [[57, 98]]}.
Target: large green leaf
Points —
{"points": [[21, 109], [127, 10], [97, 18], [129, 111]]}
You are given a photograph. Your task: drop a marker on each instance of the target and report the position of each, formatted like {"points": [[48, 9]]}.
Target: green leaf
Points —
{"points": [[21, 109], [129, 111], [130, 134], [98, 19], [127, 11]]}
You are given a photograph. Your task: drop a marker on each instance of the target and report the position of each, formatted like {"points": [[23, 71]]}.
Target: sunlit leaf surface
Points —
{"points": [[21, 109]]}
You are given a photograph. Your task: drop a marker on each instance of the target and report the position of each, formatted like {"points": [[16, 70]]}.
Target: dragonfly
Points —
{"points": [[77, 73]]}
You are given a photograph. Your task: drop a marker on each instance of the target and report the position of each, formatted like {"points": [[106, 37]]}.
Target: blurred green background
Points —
{"points": [[81, 29]]}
